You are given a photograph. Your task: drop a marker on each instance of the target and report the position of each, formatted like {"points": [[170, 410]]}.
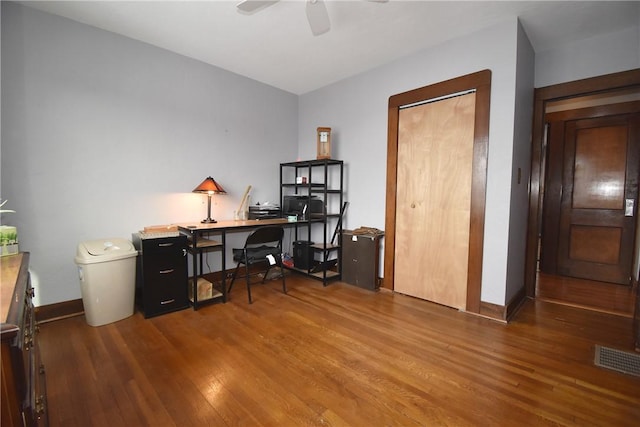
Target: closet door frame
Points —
{"points": [[481, 83]]}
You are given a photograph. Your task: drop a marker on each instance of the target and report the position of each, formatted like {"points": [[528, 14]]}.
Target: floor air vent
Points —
{"points": [[617, 360]]}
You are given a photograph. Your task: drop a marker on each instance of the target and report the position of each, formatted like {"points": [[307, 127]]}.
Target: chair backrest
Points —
{"points": [[268, 235]]}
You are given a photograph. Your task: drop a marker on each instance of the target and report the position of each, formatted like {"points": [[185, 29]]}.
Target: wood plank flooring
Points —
{"points": [[338, 356], [600, 296]]}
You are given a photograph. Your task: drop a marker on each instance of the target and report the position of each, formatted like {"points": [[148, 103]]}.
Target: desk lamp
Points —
{"points": [[210, 187]]}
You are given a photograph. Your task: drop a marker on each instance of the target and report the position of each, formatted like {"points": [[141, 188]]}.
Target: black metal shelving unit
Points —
{"points": [[324, 182]]}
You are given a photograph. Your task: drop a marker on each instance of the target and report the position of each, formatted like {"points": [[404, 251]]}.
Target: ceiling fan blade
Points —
{"points": [[249, 7], [318, 17]]}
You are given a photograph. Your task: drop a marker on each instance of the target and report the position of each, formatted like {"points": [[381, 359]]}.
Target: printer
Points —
{"points": [[303, 207], [265, 211]]}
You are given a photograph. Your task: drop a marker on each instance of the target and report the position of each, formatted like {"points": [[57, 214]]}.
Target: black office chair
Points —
{"points": [[263, 246]]}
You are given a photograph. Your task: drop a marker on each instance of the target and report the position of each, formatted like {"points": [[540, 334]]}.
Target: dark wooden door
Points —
{"points": [[592, 183]]}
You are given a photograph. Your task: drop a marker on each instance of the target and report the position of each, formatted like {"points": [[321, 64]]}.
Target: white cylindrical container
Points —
{"points": [[107, 273]]}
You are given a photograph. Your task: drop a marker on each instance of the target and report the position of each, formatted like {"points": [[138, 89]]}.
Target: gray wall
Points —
{"points": [[595, 56], [0, 107], [103, 135], [356, 109], [521, 165]]}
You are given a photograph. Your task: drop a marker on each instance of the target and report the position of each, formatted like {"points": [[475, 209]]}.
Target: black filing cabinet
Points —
{"points": [[161, 285], [360, 254]]}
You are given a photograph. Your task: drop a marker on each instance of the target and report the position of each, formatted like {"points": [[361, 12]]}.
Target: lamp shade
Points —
{"points": [[209, 186]]}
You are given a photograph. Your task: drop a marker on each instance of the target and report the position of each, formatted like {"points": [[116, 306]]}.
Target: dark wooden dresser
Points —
{"points": [[24, 396], [360, 254]]}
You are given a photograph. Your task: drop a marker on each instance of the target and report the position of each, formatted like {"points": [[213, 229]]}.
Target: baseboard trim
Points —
{"points": [[72, 308], [492, 311], [515, 304], [65, 309], [503, 313], [60, 310]]}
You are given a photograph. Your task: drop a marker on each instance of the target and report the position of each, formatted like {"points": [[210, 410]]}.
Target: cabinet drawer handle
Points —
{"points": [[164, 245], [171, 270], [41, 405], [169, 301]]}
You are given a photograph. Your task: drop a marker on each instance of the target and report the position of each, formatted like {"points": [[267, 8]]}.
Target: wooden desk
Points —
{"points": [[198, 244]]}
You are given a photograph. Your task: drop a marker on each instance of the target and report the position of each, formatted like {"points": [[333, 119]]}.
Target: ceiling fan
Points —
{"points": [[317, 14]]}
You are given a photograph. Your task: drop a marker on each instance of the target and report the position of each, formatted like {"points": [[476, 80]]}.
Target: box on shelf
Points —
{"points": [[205, 289], [160, 228], [8, 240]]}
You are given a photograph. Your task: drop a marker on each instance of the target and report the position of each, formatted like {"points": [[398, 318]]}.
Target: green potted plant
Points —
{"points": [[8, 235]]}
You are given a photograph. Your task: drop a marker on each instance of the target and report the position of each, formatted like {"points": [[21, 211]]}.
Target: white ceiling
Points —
{"points": [[275, 45]]}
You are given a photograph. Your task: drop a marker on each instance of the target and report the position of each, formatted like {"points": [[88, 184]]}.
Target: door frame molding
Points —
{"points": [[542, 96], [481, 83]]}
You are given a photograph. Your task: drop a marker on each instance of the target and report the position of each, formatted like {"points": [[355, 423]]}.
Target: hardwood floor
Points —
{"points": [[339, 356], [600, 296]]}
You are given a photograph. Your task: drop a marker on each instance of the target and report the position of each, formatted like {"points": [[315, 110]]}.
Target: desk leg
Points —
{"points": [[194, 260], [224, 267]]}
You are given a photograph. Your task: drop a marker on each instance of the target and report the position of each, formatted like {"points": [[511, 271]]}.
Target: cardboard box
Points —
{"points": [[160, 228], [205, 289]]}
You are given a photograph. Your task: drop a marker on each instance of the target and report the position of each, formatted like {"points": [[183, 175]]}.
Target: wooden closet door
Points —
{"points": [[433, 201]]}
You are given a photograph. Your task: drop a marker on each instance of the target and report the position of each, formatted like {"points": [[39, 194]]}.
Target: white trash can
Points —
{"points": [[107, 270]]}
